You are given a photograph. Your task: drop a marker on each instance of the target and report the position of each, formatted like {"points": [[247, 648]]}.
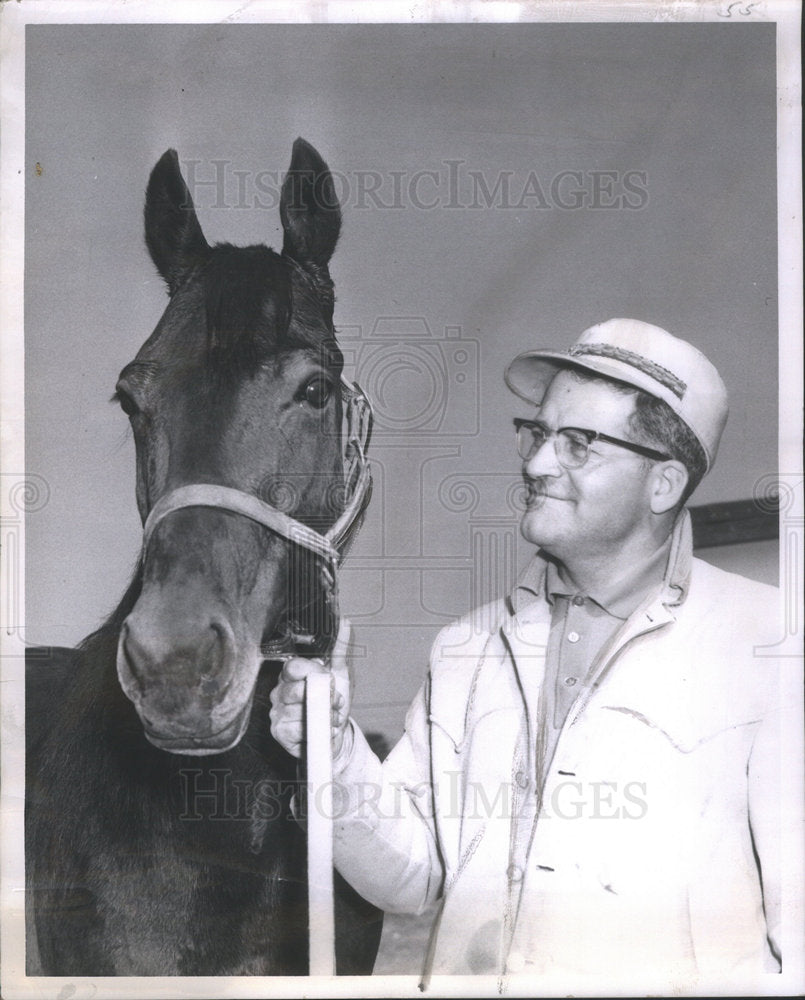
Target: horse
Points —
{"points": [[161, 833]]}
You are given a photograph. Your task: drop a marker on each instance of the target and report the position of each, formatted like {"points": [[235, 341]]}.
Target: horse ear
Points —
{"points": [[309, 209], [172, 231]]}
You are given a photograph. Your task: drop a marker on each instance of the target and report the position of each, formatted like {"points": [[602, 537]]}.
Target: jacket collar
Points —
{"points": [[526, 625], [541, 576]]}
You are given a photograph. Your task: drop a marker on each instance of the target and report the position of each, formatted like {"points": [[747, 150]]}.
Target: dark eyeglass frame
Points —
{"points": [[590, 435]]}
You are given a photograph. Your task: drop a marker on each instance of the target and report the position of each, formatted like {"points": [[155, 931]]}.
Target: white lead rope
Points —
{"points": [[320, 826]]}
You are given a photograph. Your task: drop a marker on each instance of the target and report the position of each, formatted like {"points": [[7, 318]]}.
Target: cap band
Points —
{"points": [[650, 368]]}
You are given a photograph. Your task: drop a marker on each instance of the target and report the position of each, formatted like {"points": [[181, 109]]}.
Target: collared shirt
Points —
{"points": [[581, 625]]}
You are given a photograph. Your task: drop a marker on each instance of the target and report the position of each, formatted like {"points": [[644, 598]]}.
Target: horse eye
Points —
{"points": [[127, 404], [318, 391]]}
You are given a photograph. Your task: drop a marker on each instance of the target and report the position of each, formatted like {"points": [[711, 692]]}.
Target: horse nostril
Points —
{"points": [[216, 660], [212, 653], [130, 681], [196, 657]]}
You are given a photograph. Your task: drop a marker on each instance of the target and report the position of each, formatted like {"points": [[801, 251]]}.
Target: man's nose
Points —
{"points": [[544, 461]]}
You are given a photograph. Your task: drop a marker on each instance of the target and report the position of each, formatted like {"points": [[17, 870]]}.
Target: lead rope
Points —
{"points": [[319, 760], [332, 548]]}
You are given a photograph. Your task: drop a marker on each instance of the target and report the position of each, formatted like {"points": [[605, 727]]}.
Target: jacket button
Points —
{"points": [[522, 779], [515, 873]]}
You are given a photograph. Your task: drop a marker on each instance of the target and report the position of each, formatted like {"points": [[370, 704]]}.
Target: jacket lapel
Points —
{"points": [[527, 642]]}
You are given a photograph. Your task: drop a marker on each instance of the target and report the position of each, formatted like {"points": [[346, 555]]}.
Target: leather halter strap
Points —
{"points": [[331, 546], [226, 498]]}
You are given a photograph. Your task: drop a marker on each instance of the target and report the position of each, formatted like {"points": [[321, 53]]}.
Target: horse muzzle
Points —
{"points": [[189, 684], [200, 746]]}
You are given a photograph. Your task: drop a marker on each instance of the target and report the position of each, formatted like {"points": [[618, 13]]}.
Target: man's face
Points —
{"points": [[588, 512]]}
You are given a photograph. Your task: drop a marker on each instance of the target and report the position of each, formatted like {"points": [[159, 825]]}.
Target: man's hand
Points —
{"points": [[288, 697]]}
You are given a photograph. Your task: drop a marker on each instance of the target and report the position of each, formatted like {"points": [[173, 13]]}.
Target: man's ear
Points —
{"points": [[669, 480]]}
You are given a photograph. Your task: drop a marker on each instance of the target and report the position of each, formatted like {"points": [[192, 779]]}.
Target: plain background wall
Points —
{"points": [[504, 187]]}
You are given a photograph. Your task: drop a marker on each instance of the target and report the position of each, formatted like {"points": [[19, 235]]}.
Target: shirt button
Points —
{"points": [[573, 636], [570, 681], [515, 873], [578, 600]]}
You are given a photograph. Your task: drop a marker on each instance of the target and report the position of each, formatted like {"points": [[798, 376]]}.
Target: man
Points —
{"points": [[588, 777]]}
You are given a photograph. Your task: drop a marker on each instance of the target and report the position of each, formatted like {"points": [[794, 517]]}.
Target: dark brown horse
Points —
{"points": [[159, 837]]}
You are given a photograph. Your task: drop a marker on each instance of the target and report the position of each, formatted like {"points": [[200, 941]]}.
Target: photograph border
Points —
{"points": [[14, 16]]}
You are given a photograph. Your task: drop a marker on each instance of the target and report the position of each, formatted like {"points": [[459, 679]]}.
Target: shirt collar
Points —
{"points": [[666, 570]]}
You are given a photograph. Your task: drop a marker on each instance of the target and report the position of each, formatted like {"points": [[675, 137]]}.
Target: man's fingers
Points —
{"points": [[287, 728], [285, 716], [293, 692], [288, 696], [297, 668], [288, 693]]}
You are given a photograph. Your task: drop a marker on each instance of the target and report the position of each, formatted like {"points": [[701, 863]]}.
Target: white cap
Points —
{"points": [[643, 356]]}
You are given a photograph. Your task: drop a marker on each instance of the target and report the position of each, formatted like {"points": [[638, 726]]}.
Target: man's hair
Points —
{"points": [[655, 424]]}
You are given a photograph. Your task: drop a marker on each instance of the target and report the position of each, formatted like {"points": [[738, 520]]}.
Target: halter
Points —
{"points": [[329, 549]]}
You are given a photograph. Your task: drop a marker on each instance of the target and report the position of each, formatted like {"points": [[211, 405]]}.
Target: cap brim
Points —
{"points": [[530, 374]]}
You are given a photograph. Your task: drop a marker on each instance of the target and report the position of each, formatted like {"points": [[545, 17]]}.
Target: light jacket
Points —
{"points": [[653, 845]]}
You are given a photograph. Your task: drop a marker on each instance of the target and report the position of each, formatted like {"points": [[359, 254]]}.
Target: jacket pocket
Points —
{"points": [[678, 733]]}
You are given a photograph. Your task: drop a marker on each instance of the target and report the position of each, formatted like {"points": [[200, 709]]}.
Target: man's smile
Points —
{"points": [[536, 496]]}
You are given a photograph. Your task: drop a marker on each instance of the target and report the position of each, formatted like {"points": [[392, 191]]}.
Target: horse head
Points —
{"points": [[237, 390]]}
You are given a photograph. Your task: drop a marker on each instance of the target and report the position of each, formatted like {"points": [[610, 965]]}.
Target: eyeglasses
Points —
{"points": [[572, 444]]}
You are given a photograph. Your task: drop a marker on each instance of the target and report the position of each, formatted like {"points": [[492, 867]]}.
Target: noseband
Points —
{"points": [[329, 549]]}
